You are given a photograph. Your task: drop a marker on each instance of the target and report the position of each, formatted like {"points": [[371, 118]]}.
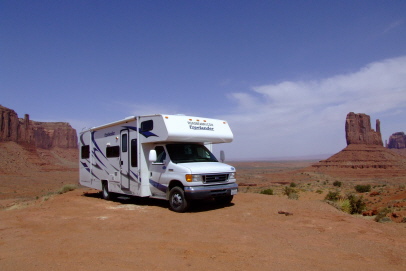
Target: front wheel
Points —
{"points": [[177, 200]]}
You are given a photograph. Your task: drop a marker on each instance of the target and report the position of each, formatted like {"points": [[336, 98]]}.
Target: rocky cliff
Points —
{"points": [[45, 135], [358, 130], [397, 141]]}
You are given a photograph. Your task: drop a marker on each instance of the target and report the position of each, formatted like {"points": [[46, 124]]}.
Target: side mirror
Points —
{"points": [[152, 156], [222, 156]]}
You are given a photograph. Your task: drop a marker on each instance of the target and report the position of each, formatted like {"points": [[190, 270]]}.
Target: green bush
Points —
{"points": [[288, 190], [267, 191], [292, 184], [337, 183], [358, 205], [345, 205], [333, 196], [360, 188], [350, 204]]}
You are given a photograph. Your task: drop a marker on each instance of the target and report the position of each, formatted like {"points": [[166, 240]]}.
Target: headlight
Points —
{"points": [[232, 175], [193, 178]]}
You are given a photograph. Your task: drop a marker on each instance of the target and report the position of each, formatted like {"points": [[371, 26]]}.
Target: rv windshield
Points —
{"points": [[188, 153]]}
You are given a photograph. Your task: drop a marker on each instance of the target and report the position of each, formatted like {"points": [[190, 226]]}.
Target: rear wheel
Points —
{"points": [[105, 192], [177, 200]]}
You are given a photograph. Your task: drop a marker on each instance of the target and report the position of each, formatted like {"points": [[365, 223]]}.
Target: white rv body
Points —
{"points": [[147, 156]]}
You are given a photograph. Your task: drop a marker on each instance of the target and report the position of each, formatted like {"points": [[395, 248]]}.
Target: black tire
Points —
{"points": [[224, 200], [105, 192], [177, 200]]}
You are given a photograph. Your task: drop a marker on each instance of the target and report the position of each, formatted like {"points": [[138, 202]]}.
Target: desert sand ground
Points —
{"points": [[41, 230]]}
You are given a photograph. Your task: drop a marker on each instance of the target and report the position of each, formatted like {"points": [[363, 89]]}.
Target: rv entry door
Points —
{"points": [[124, 160]]}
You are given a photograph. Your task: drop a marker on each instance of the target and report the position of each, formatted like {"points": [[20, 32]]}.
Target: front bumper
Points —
{"points": [[210, 191]]}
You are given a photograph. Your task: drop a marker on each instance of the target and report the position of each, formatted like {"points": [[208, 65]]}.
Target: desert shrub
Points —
{"points": [[288, 190], [361, 188], [385, 220], [345, 205], [66, 188], [332, 196], [380, 217], [357, 204], [319, 191], [267, 191], [293, 195], [350, 204], [292, 184], [337, 183]]}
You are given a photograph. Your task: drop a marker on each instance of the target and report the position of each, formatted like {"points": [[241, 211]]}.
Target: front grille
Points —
{"points": [[215, 178]]}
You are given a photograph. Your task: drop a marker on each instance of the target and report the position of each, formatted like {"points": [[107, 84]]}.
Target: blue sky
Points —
{"points": [[283, 73]]}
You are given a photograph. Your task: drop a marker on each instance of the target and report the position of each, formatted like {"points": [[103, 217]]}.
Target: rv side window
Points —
{"points": [[124, 142], [134, 158], [147, 125], [85, 152], [160, 154], [112, 151]]}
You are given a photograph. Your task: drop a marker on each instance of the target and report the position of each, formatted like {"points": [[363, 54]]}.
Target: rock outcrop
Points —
{"points": [[362, 156], [358, 130], [45, 135], [397, 141], [364, 151]]}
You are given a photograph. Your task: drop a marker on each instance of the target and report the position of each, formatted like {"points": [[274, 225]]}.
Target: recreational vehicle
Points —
{"points": [[158, 156]]}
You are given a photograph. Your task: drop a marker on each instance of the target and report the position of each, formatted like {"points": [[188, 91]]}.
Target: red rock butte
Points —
{"points": [[358, 130], [397, 141], [44, 135], [364, 150]]}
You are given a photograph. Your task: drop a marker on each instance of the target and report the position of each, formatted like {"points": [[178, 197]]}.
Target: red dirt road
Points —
{"points": [[73, 231]]}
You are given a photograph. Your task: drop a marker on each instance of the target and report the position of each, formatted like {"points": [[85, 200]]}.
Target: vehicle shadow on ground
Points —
{"points": [[196, 206]]}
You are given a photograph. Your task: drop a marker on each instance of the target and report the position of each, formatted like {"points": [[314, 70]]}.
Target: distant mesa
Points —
{"points": [[397, 141], [44, 135]]}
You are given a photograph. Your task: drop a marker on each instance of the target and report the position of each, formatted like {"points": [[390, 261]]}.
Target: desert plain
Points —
{"points": [[45, 228]]}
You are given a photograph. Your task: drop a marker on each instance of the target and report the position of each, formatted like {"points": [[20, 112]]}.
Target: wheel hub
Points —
{"points": [[177, 200]]}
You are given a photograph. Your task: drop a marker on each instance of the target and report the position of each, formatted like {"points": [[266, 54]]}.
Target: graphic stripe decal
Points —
{"points": [[158, 185]]}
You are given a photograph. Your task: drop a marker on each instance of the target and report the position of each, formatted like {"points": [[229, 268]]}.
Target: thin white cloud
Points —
{"points": [[295, 118], [393, 25]]}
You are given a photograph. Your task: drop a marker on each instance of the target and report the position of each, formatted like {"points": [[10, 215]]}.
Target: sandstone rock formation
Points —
{"points": [[397, 141], [45, 135], [358, 130], [364, 151], [362, 156]]}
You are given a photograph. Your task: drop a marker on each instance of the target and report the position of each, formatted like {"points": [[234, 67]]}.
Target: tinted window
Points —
{"points": [[147, 125], [187, 153], [134, 157], [112, 151], [160, 154], [85, 152], [124, 142]]}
